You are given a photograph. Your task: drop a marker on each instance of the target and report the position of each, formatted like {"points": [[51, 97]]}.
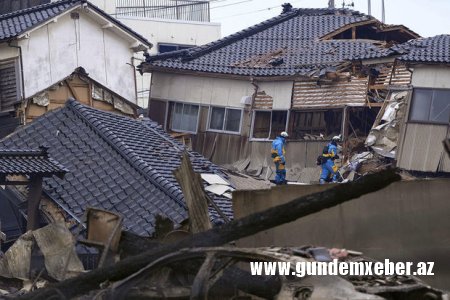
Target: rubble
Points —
{"points": [[384, 135], [56, 244], [231, 231]]}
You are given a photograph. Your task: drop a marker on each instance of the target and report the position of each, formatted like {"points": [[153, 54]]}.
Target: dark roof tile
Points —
{"points": [[423, 50], [104, 176], [296, 34], [18, 22]]}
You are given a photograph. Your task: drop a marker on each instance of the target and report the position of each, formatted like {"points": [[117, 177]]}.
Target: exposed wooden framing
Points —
{"points": [[91, 101], [378, 87], [34, 198], [353, 33], [344, 129], [72, 90], [347, 27], [394, 66]]}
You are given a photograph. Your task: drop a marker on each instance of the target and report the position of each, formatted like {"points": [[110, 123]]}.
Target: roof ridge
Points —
{"points": [[37, 8], [195, 52], [200, 50], [77, 107]]}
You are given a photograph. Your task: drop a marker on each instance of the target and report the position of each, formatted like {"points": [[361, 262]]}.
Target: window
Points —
{"points": [[225, 119], [164, 48], [184, 117], [310, 124], [430, 106], [268, 124], [9, 86]]}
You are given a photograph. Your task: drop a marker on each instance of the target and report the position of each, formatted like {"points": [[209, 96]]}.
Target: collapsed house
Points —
{"points": [[290, 73], [18, 168], [117, 164], [41, 46], [415, 116]]}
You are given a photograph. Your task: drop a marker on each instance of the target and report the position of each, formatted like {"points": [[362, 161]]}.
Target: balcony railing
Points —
{"points": [[186, 10]]}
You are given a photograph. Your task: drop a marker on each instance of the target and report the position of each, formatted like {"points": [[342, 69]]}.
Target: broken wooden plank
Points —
{"points": [[34, 198], [194, 195], [447, 146], [237, 229]]}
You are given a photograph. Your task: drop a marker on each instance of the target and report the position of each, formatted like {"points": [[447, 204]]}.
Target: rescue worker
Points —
{"points": [[278, 156], [329, 168]]}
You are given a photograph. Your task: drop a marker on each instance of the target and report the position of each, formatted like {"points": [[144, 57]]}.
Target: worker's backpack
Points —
{"points": [[321, 159]]}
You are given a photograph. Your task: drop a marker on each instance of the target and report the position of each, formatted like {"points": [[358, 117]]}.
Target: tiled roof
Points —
{"points": [[292, 39], [16, 23], [116, 163], [423, 50], [29, 162]]}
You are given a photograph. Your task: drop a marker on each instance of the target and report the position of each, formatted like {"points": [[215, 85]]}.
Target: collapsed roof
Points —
{"points": [[115, 163], [423, 50], [297, 42]]}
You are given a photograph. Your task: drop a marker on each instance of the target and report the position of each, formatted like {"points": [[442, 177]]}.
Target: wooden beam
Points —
{"points": [[237, 229], [34, 198], [72, 90], [353, 33], [447, 146], [345, 28], [194, 195]]}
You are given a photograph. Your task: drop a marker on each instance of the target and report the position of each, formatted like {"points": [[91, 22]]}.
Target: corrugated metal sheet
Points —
{"points": [[422, 148], [398, 76], [263, 101], [8, 86], [308, 94]]}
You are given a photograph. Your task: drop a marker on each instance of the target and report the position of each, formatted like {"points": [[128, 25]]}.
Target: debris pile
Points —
{"points": [[384, 135], [22, 262]]}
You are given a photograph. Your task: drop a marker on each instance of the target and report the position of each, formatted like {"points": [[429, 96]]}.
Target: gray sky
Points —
{"points": [[427, 18]]}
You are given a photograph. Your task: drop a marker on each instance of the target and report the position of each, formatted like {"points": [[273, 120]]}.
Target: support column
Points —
{"points": [[34, 198]]}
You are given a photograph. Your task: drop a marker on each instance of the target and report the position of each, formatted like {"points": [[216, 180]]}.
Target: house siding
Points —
{"points": [[201, 90], [421, 146], [54, 50], [224, 148]]}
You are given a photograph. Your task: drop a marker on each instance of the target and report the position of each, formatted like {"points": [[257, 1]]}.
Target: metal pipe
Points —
{"points": [[369, 4], [383, 16]]}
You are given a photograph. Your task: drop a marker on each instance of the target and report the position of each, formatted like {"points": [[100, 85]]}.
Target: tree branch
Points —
{"points": [[234, 230]]}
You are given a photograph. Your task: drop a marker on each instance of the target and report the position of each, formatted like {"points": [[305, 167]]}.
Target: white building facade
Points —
{"points": [[77, 35], [169, 25]]}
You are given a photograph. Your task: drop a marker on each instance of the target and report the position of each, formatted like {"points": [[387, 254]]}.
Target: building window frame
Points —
{"points": [[412, 103], [226, 108], [177, 46], [252, 127], [308, 114], [170, 123]]}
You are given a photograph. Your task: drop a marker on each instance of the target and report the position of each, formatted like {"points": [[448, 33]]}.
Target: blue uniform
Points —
{"points": [[278, 153], [329, 169]]}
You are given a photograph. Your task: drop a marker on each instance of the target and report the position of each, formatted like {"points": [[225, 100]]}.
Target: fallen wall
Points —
{"points": [[407, 221]]}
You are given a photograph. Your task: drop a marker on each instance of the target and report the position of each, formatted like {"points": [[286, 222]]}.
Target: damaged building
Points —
{"points": [[290, 73], [415, 116], [115, 163], [42, 46]]}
